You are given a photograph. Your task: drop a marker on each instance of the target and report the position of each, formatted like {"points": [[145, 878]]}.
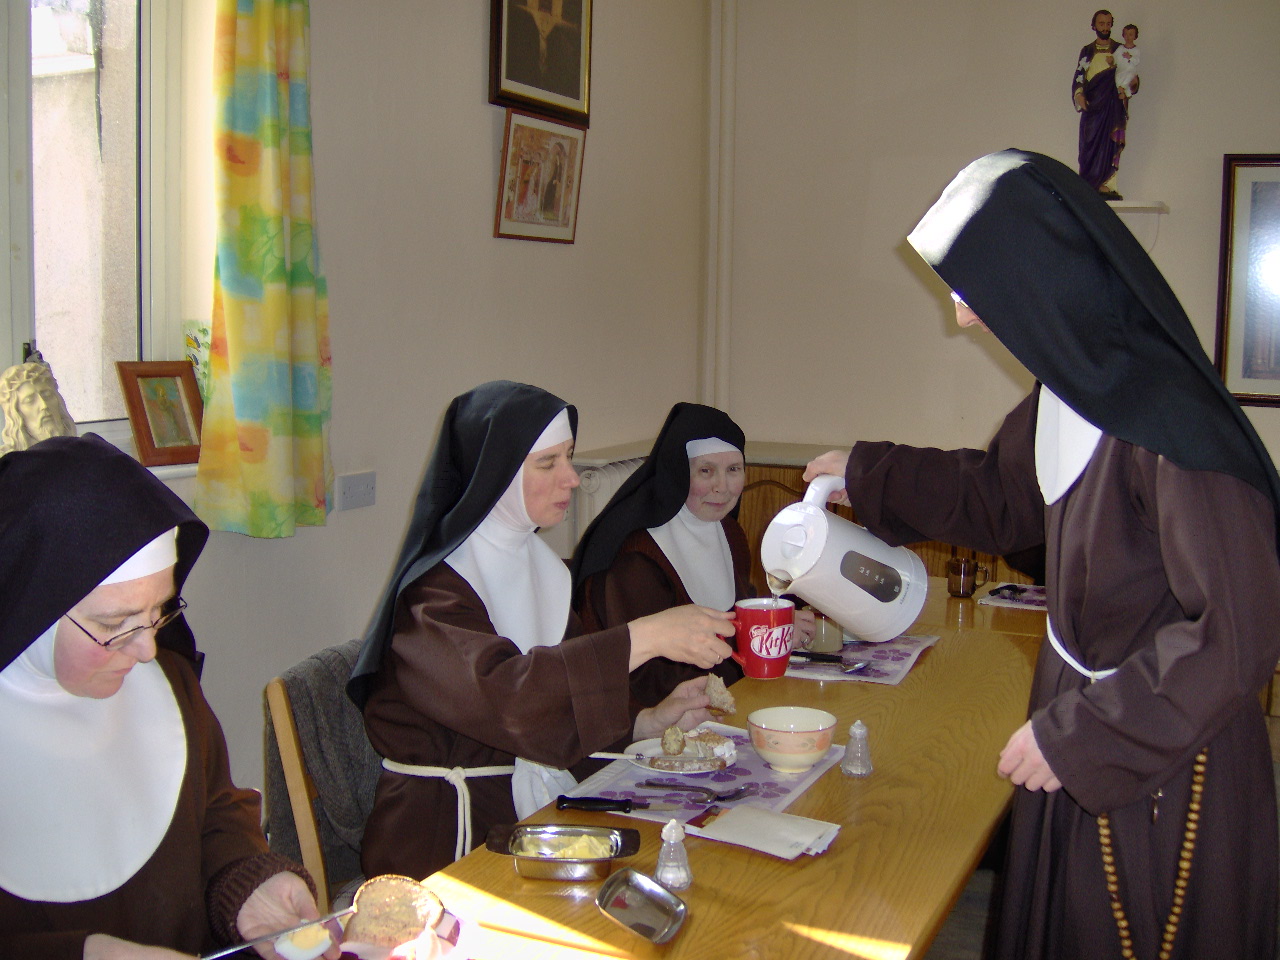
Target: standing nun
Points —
{"points": [[477, 683], [122, 827], [670, 536], [1145, 822]]}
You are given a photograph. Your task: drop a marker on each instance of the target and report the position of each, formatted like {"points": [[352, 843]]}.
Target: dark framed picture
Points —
{"points": [[541, 176], [165, 410], [1247, 347], [540, 57]]}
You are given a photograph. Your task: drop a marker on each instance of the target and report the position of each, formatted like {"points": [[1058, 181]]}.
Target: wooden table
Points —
{"points": [[911, 833]]}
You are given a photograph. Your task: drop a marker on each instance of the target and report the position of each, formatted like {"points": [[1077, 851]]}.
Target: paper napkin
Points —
{"points": [[780, 834]]}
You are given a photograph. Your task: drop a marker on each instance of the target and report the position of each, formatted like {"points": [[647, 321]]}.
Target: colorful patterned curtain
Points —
{"points": [[264, 453]]}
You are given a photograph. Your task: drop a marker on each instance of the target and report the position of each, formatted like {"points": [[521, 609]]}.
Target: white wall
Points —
{"points": [[425, 303], [850, 118]]}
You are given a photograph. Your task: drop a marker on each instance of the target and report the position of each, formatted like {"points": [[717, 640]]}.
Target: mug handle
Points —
{"points": [[737, 629], [982, 572]]}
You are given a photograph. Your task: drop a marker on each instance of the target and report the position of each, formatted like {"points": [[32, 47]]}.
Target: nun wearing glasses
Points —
{"points": [[124, 836]]}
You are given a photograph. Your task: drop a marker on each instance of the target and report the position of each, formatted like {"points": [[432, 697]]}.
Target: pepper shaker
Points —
{"points": [[857, 758], [673, 861]]}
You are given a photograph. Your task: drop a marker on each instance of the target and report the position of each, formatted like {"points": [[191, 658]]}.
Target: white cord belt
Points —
{"points": [[1071, 661], [458, 777]]}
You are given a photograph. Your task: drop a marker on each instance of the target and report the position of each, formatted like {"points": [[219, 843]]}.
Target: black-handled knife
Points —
{"points": [[610, 805], [819, 657]]}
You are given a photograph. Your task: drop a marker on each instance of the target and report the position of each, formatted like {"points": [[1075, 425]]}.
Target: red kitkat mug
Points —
{"points": [[764, 626]]}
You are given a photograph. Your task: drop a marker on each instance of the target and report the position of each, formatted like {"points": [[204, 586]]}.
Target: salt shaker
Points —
{"points": [[673, 861], [857, 758]]}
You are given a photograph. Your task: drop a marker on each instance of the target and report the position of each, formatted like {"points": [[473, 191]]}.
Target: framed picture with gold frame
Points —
{"points": [[165, 410], [1247, 347], [540, 57]]}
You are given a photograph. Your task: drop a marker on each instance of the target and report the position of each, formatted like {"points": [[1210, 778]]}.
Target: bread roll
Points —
{"points": [[391, 910]]}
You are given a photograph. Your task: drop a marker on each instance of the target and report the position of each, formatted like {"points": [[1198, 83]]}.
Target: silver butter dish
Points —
{"points": [[563, 851], [642, 905]]}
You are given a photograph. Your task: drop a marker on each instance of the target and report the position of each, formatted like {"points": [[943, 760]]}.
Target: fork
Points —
{"points": [[711, 795]]}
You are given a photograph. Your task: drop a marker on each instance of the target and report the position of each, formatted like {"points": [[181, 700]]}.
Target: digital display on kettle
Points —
{"points": [[879, 579]]}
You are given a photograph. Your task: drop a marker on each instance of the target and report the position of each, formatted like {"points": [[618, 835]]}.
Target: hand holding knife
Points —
{"points": [[267, 937]]}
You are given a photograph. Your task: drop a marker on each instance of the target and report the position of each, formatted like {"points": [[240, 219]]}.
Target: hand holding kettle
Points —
{"points": [[834, 463]]}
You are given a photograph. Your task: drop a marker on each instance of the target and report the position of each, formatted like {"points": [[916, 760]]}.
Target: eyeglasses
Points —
{"points": [[958, 299], [121, 640]]}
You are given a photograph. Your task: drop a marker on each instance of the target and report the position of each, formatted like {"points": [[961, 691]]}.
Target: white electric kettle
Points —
{"points": [[873, 590]]}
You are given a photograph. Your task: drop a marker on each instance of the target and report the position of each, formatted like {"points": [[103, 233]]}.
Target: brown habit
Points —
{"points": [[452, 693], [213, 842], [642, 581], [1171, 576]]}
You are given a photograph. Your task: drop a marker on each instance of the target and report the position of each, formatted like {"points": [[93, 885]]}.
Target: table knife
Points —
{"points": [[279, 933], [611, 805], [819, 657]]}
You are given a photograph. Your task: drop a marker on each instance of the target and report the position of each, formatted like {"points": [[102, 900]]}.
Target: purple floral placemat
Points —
{"points": [[890, 661], [774, 791], [1017, 595]]}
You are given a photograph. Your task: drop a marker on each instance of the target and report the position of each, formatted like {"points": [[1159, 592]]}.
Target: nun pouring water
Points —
{"points": [[477, 683]]}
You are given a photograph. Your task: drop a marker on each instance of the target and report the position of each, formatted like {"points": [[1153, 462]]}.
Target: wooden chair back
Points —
{"points": [[301, 788]]}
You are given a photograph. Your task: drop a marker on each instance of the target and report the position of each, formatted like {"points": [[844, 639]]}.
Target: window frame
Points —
{"points": [[160, 166]]}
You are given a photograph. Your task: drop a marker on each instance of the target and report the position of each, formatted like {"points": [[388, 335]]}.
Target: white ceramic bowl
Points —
{"points": [[791, 739]]}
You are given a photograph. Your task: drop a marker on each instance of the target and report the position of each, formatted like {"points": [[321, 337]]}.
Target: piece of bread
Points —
{"points": [[722, 702], [391, 910], [673, 741], [687, 764], [708, 743]]}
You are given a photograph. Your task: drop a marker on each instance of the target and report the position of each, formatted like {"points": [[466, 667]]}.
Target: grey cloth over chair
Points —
{"points": [[338, 756]]}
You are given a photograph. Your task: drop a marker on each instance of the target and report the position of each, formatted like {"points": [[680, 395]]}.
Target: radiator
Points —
{"points": [[599, 483]]}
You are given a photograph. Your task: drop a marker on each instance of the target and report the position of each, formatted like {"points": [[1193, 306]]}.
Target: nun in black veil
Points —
{"points": [[123, 833], [477, 682], [670, 536], [1144, 823]]}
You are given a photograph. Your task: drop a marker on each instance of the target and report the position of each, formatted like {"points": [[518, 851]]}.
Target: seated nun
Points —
{"points": [[670, 536], [123, 831], [477, 682]]}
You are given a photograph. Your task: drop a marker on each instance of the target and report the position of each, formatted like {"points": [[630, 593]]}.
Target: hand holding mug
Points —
{"points": [[687, 634]]}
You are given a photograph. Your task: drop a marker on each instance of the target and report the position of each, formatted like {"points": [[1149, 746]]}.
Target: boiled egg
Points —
{"points": [[305, 944]]}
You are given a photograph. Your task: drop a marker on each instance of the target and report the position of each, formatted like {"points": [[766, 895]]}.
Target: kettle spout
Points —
{"points": [[779, 581]]}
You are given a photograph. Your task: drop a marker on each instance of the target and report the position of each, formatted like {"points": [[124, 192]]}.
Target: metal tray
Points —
{"points": [[536, 841], [642, 905]]}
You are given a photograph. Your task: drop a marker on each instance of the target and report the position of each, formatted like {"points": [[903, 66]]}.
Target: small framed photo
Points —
{"points": [[540, 57], [165, 410], [541, 175], [1247, 348]]}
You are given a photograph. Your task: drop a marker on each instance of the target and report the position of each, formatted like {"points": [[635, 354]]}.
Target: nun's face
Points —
{"points": [[84, 668], [549, 479], [715, 483]]}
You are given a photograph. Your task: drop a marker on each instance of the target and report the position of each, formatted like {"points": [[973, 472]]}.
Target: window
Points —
{"points": [[90, 198]]}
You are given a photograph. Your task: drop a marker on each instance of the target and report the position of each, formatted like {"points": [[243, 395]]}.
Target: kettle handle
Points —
{"points": [[821, 487]]}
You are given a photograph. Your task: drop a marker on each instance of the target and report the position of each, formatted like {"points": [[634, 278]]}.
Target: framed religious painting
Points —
{"points": [[1247, 348], [541, 176], [540, 57], [165, 410]]}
